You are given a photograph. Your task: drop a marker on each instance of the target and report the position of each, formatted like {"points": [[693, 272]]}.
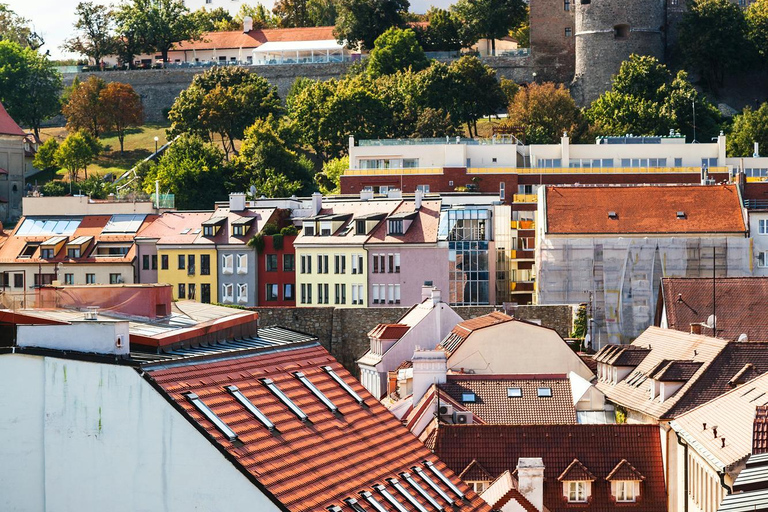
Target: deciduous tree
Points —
{"points": [[490, 19], [362, 21], [45, 157], [329, 180], [757, 27], [76, 152], [443, 32], [749, 127], [215, 20], [84, 110], [16, 29], [545, 111], [292, 13], [395, 50], [122, 108], [94, 27], [260, 15], [158, 24], [475, 91]]}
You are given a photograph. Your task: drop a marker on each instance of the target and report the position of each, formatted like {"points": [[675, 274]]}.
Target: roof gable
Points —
{"points": [[624, 471], [576, 472], [7, 125]]}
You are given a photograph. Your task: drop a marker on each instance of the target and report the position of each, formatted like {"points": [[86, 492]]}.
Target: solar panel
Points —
{"points": [[211, 416], [124, 223], [40, 227], [443, 479], [431, 483], [284, 398], [367, 496], [344, 385], [405, 494], [419, 489], [240, 397], [391, 499], [319, 394]]}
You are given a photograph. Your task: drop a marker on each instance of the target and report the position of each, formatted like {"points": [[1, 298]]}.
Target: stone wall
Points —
{"points": [[343, 331]]}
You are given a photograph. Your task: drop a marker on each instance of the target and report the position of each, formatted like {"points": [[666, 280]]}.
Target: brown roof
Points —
{"points": [[760, 430], [346, 234], [423, 228], [576, 472], [255, 38], [739, 305], [389, 331], [462, 330], [305, 465], [475, 472], [599, 448], [624, 471], [648, 209], [493, 405], [7, 125]]}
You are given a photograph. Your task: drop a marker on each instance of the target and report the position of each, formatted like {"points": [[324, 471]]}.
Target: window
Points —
{"points": [[288, 291], [544, 392], [322, 293], [354, 294], [164, 262], [336, 263], [205, 293], [341, 293], [191, 289], [360, 227], [46, 253], [762, 226], [397, 263], [271, 262], [468, 398], [375, 264], [227, 292], [306, 294], [306, 264], [514, 392], [375, 293], [422, 188], [208, 230], [154, 262], [205, 265], [182, 291], [145, 262], [242, 263], [284, 398], [242, 293], [69, 278], [410, 163], [577, 492], [396, 227], [678, 162], [227, 263], [115, 278], [240, 397], [73, 253], [355, 266], [182, 260], [391, 263], [309, 230], [209, 414], [325, 228], [566, 5], [397, 294], [289, 262], [272, 292], [625, 491], [762, 259], [18, 280], [502, 190], [568, 31], [238, 230], [391, 293], [478, 487], [90, 278]]}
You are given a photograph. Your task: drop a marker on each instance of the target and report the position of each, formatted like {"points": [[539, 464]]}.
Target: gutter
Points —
{"points": [[685, 485], [722, 482]]}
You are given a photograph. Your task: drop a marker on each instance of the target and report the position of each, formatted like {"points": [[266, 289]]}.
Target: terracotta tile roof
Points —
{"points": [[258, 216], [649, 209], [576, 472], [463, 329], [389, 331], [423, 228], [624, 471], [345, 233], [760, 430], [589, 360], [739, 305], [475, 472], [306, 465], [7, 125], [676, 371], [493, 405], [599, 448], [255, 38]]}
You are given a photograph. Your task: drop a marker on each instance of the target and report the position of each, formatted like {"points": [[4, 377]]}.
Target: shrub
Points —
{"points": [[277, 241], [257, 242], [270, 229], [289, 230], [54, 188]]}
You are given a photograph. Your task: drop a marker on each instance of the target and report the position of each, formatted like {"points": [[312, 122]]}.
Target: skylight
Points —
{"points": [[443, 479], [391, 499], [514, 392], [544, 392], [468, 397], [353, 504], [240, 397], [344, 385], [431, 483], [184, 231], [283, 398], [374, 503], [211, 416], [405, 494], [419, 489], [319, 394]]}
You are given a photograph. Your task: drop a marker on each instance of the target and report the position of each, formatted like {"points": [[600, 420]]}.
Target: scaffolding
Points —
{"points": [[621, 276]]}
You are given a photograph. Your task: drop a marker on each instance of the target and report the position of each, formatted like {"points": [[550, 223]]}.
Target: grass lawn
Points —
{"points": [[139, 144]]}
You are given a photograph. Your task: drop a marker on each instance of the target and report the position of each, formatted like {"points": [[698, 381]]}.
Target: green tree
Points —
{"points": [[266, 163], [713, 40], [190, 160], [121, 108], [641, 76], [94, 38], [45, 157], [680, 101], [443, 32], [260, 15], [16, 29], [363, 21], [476, 91], [522, 34], [215, 20], [54, 188], [223, 101], [545, 111], [292, 13], [329, 180], [490, 19], [84, 110], [615, 113], [757, 27], [95, 187], [395, 50], [323, 13], [29, 85], [749, 127], [76, 152]]}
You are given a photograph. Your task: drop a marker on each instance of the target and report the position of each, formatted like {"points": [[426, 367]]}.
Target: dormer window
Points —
{"points": [[577, 492], [208, 230], [360, 227], [395, 227], [625, 491], [309, 230], [238, 230], [625, 482], [325, 228], [211, 226], [577, 482]]}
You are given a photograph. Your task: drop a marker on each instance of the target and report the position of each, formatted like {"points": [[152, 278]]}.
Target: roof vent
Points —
{"points": [[680, 215], [613, 215], [92, 313]]}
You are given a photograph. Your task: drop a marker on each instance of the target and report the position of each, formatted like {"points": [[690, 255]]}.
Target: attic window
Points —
{"points": [[544, 392], [284, 398], [395, 227], [680, 215], [444, 479], [514, 392], [625, 491], [468, 398], [240, 397], [367, 496], [325, 228], [613, 215], [360, 227], [184, 231], [391, 499], [309, 229], [334, 508], [211, 416], [346, 387], [29, 250], [405, 494], [577, 492], [319, 394], [419, 489], [431, 483]]}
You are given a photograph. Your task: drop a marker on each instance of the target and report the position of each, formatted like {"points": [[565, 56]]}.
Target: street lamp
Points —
{"points": [[156, 139], [534, 76]]}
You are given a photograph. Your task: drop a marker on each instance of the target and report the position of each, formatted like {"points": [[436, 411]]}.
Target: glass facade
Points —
{"points": [[467, 232]]}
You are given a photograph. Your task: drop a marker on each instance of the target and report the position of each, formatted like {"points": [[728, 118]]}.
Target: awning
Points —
{"points": [[298, 46], [3, 171]]}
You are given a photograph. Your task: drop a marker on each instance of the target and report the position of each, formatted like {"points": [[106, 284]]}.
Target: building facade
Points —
{"points": [[12, 167]]}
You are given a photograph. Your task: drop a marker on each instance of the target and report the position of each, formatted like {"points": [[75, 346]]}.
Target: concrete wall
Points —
{"points": [[87, 436], [98, 337], [82, 205], [12, 180]]}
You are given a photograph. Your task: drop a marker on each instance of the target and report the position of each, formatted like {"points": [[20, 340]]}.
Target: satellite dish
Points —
{"points": [[743, 337], [711, 321], [253, 190]]}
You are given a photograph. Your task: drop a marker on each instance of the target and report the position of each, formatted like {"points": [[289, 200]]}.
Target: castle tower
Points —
{"points": [[607, 33]]}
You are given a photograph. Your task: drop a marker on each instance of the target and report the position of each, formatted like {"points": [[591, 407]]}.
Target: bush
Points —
{"points": [[55, 188], [270, 229], [289, 231], [257, 242], [277, 241]]}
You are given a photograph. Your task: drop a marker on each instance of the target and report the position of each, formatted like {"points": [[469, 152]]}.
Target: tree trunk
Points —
{"points": [[121, 138], [164, 53], [493, 46]]}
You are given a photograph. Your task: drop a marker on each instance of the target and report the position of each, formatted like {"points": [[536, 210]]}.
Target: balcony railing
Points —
{"points": [[525, 198], [393, 171], [542, 170], [523, 224]]}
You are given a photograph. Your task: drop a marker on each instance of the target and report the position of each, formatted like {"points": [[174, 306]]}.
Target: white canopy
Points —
{"points": [[300, 46]]}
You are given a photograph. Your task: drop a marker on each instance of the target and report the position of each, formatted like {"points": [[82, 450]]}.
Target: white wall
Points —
{"points": [[79, 436], [759, 242], [99, 337]]}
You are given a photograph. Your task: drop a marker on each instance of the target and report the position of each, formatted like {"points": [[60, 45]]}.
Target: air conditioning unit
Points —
{"points": [[445, 410], [462, 418]]}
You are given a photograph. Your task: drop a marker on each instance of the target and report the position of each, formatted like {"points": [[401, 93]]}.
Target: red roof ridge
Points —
{"points": [[7, 125]]}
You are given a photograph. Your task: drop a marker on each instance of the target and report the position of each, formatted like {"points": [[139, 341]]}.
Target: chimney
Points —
{"points": [[756, 154], [426, 290], [530, 477], [366, 195], [247, 24], [436, 296], [317, 203], [418, 196], [696, 328], [394, 193], [351, 145], [429, 367], [237, 201]]}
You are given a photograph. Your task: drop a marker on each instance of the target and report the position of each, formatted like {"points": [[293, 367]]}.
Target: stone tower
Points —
{"points": [[607, 33]]}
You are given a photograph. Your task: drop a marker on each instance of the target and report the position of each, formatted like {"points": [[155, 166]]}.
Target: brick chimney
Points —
{"points": [[530, 477], [429, 367]]}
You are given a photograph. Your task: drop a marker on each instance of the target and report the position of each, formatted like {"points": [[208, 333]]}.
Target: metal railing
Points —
{"points": [[541, 170], [523, 224], [525, 198], [485, 141], [393, 171]]}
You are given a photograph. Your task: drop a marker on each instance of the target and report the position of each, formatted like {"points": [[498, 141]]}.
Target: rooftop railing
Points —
{"points": [[498, 139], [537, 170]]}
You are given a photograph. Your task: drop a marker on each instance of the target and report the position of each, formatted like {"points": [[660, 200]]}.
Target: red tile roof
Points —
{"points": [[599, 448], [474, 472], [307, 466], [422, 230], [389, 331], [760, 430], [649, 209], [255, 38], [463, 329], [576, 472], [739, 303], [7, 125], [624, 471]]}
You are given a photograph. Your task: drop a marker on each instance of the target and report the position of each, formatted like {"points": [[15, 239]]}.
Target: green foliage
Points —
{"points": [[545, 111], [16, 29], [94, 37], [443, 32], [76, 152], [54, 188], [323, 13], [509, 88], [84, 110], [757, 27], [641, 76], [289, 231], [475, 91], [621, 414], [95, 187], [192, 169], [266, 163], [297, 86], [277, 241], [680, 99], [156, 25], [713, 40], [225, 101], [292, 13], [29, 85], [490, 19], [270, 228], [257, 242], [261, 16], [522, 34], [749, 127], [45, 158], [396, 50], [580, 324], [215, 20], [615, 113], [364, 21], [329, 180]]}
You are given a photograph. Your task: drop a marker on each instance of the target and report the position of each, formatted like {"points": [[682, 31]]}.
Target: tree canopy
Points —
{"points": [[396, 50], [364, 21], [16, 29], [121, 108], [545, 111], [749, 127], [757, 28], [84, 110], [76, 152], [490, 19], [94, 28]]}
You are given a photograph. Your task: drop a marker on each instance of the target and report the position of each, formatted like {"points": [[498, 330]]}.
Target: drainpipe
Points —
{"points": [[685, 470], [722, 482]]}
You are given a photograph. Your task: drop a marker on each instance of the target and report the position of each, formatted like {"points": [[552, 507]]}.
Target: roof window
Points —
{"points": [[514, 392], [613, 215], [319, 394], [681, 215], [443, 479], [544, 392], [391, 499], [468, 398], [367, 496], [284, 398], [346, 387], [424, 476], [419, 489], [240, 397], [353, 504], [211, 416], [405, 494]]}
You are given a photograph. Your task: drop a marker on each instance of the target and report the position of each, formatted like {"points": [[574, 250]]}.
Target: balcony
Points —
{"points": [[522, 255], [525, 198], [523, 224], [395, 171], [617, 170]]}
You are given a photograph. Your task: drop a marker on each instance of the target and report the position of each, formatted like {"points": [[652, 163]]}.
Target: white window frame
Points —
{"points": [[397, 294], [242, 293], [391, 293], [242, 263], [397, 263], [227, 263], [577, 492], [375, 291], [762, 228], [625, 491], [227, 293], [762, 259], [502, 190], [354, 294]]}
